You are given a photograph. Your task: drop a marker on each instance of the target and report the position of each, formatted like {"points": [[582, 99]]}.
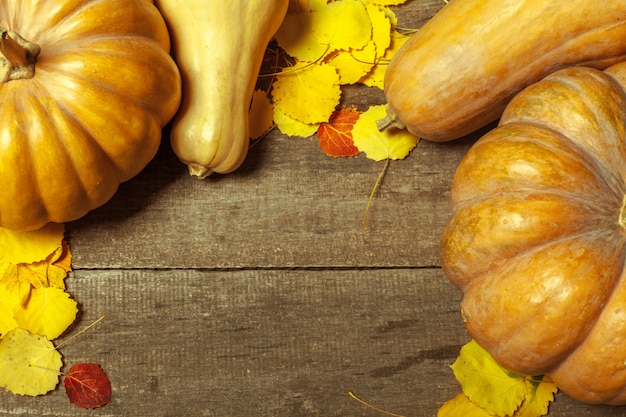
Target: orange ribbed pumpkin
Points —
{"points": [[86, 87], [536, 239]]}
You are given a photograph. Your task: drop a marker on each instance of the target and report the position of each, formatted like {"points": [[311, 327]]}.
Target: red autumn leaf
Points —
{"points": [[335, 136], [87, 386]]}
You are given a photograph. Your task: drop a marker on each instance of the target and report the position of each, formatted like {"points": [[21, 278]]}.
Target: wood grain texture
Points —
{"points": [[286, 197], [268, 343], [259, 293]]}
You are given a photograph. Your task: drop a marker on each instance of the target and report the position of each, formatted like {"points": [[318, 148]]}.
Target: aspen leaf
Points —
{"points": [[311, 35], [261, 115], [486, 384], [29, 363], [353, 65], [393, 19], [9, 300], [343, 25], [376, 77], [49, 272], [49, 312], [28, 247], [381, 27], [489, 390], [297, 37], [59, 264], [62, 257], [539, 395], [308, 94], [461, 406], [292, 127], [87, 386], [390, 144], [335, 136]]}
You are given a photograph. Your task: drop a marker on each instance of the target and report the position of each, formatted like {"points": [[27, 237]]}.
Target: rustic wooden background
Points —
{"points": [[260, 294]]}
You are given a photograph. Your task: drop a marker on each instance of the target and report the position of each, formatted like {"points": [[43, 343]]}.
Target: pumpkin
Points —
{"points": [[219, 50], [458, 72], [536, 239], [86, 87]]}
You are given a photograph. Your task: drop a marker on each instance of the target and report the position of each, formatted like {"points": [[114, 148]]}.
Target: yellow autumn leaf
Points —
{"points": [[49, 272], [292, 127], [62, 257], [29, 364], [9, 301], [60, 263], [295, 35], [49, 312], [343, 25], [539, 394], [390, 144], [307, 93], [12, 280], [261, 115], [392, 17], [6, 272], [28, 247], [376, 77], [311, 35], [461, 406], [381, 27], [386, 2], [353, 65], [486, 383]]}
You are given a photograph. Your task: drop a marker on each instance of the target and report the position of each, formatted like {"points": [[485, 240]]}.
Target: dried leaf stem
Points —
{"points": [[380, 410], [376, 185]]}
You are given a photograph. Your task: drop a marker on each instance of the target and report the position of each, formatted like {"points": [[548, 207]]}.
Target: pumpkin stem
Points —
{"points": [[390, 120], [17, 56]]}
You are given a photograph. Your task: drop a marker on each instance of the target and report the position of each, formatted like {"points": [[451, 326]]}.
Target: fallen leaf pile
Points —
{"points": [[491, 391], [35, 309], [328, 45], [33, 267]]}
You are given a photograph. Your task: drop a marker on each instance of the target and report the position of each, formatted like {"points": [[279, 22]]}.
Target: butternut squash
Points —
{"points": [[219, 47], [458, 72]]}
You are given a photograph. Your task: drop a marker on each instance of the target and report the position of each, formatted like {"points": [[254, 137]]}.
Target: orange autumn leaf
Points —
{"points": [[335, 136]]}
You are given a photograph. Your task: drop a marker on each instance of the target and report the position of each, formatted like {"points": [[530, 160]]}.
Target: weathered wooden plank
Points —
{"points": [[263, 343], [290, 205], [268, 343]]}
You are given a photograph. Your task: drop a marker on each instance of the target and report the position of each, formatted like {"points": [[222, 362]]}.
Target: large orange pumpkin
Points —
{"points": [[536, 239], [86, 87]]}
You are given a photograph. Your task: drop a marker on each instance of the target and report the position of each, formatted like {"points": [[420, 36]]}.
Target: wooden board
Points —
{"points": [[260, 293]]}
